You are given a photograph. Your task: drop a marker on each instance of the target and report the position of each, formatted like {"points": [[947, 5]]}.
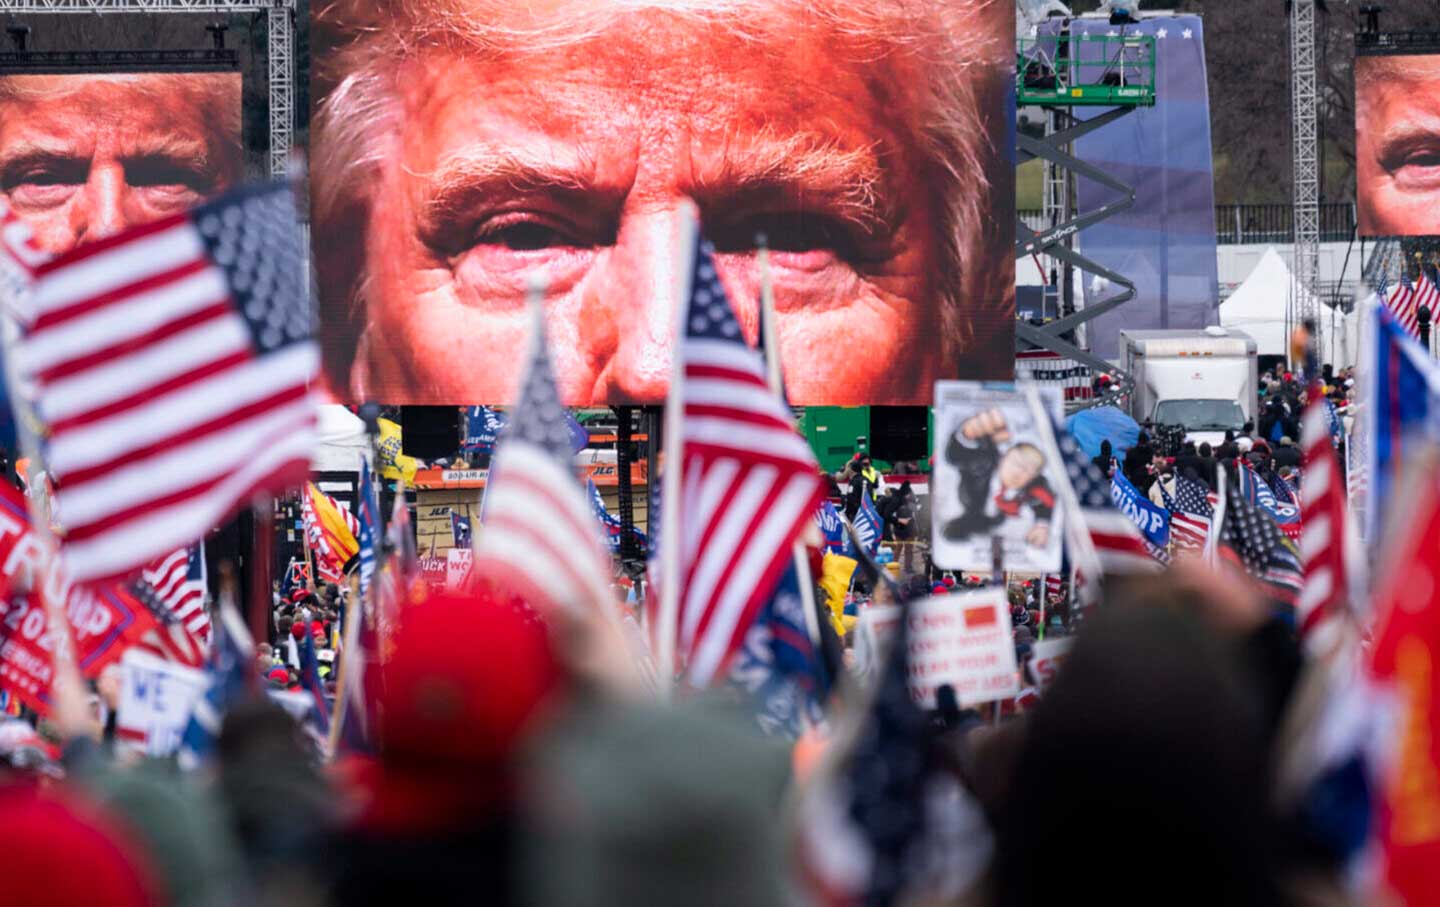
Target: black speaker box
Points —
{"points": [[430, 432]]}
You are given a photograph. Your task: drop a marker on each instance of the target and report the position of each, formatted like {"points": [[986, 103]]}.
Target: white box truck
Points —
{"points": [[1205, 381]]}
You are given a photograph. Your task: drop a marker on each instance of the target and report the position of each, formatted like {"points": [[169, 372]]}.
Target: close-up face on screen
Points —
{"points": [[83, 157], [462, 148], [1397, 144]]}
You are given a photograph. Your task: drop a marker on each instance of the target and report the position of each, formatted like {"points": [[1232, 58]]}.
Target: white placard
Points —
{"points": [[992, 478], [1046, 656], [156, 699], [457, 567], [963, 640]]}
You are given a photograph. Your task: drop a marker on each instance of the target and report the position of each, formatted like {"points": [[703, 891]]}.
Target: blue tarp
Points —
{"points": [[1091, 426]]}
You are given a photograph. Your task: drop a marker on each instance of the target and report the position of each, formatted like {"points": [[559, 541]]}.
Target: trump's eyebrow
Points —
{"points": [[468, 174], [25, 152], [798, 170]]}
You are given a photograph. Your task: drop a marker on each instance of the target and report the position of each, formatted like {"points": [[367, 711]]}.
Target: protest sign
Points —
{"points": [[992, 479], [1152, 521], [103, 620], [457, 567], [156, 699], [1046, 656], [962, 640]]}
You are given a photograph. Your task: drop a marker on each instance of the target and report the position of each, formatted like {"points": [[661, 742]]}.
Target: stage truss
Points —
{"points": [[280, 16]]}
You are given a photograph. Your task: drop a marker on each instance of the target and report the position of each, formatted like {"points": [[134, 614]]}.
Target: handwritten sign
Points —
{"points": [[961, 640], [457, 567], [156, 699]]}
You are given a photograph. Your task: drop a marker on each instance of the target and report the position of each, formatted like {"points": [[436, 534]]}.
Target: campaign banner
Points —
{"points": [[827, 519], [1152, 521], [1046, 657], [156, 699], [963, 640], [482, 427], [103, 620], [432, 569], [992, 479]]}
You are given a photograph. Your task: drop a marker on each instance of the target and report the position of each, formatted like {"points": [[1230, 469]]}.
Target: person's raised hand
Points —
{"points": [[989, 424]]}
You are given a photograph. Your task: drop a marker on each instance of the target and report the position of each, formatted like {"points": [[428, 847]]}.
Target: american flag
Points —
{"points": [[748, 481], [1405, 299], [19, 260], [361, 647], [330, 531], [1250, 539], [1191, 509], [538, 539], [172, 365], [178, 582], [230, 672], [1118, 544], [884, 824], [1322, 536]]}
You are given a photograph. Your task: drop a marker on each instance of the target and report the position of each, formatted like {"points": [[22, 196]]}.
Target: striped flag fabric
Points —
{"points": [[330, 531], [748, 481], [172, 365], [1403, 302], [1191, 509], [1322, 536], [538, 538], [1250, 539], [1118, 543], [20, 258], [178, 582]]}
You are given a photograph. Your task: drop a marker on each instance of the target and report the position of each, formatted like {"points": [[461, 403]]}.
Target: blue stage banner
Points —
{"points": [[1166, 242]]}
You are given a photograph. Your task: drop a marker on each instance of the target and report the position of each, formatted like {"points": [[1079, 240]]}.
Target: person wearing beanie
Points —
{"points": [[939, 589]]}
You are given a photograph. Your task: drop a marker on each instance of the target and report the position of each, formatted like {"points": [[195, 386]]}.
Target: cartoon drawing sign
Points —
{"points": [[991, 479]]}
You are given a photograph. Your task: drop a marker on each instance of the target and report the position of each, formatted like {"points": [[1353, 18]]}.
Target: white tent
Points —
{"points": [[1259, 307], [342, 440]]}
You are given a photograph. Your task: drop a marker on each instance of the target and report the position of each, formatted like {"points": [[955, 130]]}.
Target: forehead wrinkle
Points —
{"points": [[850, 179]]}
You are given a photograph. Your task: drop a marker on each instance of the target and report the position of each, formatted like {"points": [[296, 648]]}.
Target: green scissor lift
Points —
{"points": [[1059, 72]]}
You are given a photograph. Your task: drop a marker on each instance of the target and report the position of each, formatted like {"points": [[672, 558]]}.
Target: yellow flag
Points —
{"points": [[391, 463]]}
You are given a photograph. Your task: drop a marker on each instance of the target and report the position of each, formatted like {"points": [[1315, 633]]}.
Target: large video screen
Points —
{"points": [[1397, 144], [83, 157], [462, 148]]}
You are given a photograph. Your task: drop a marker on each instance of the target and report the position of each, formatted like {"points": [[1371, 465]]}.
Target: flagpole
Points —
{"points": [[1217, 516], [25, 421], [670, 582], [1075, 520], [770, 330], [262, 552]]}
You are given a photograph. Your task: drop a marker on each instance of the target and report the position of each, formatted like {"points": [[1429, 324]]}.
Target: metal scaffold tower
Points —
{"points": [[1304, 101], [1059, 72], [280, 15]]}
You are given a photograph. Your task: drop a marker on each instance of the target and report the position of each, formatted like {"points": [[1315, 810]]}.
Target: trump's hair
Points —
{"points": [[953, 58]]}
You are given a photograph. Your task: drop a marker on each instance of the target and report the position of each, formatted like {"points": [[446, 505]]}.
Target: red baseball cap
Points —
{"points": [[60, 851], [471, 674]]}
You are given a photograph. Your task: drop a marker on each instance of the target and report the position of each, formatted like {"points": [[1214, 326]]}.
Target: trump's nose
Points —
{"points": [[100, 210], [637, 293]]}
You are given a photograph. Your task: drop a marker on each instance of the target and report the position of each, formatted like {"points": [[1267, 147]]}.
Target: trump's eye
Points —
{"points": [[166, 174], [523, 232], [1414, 163], [800, 239], [43, 184]]}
